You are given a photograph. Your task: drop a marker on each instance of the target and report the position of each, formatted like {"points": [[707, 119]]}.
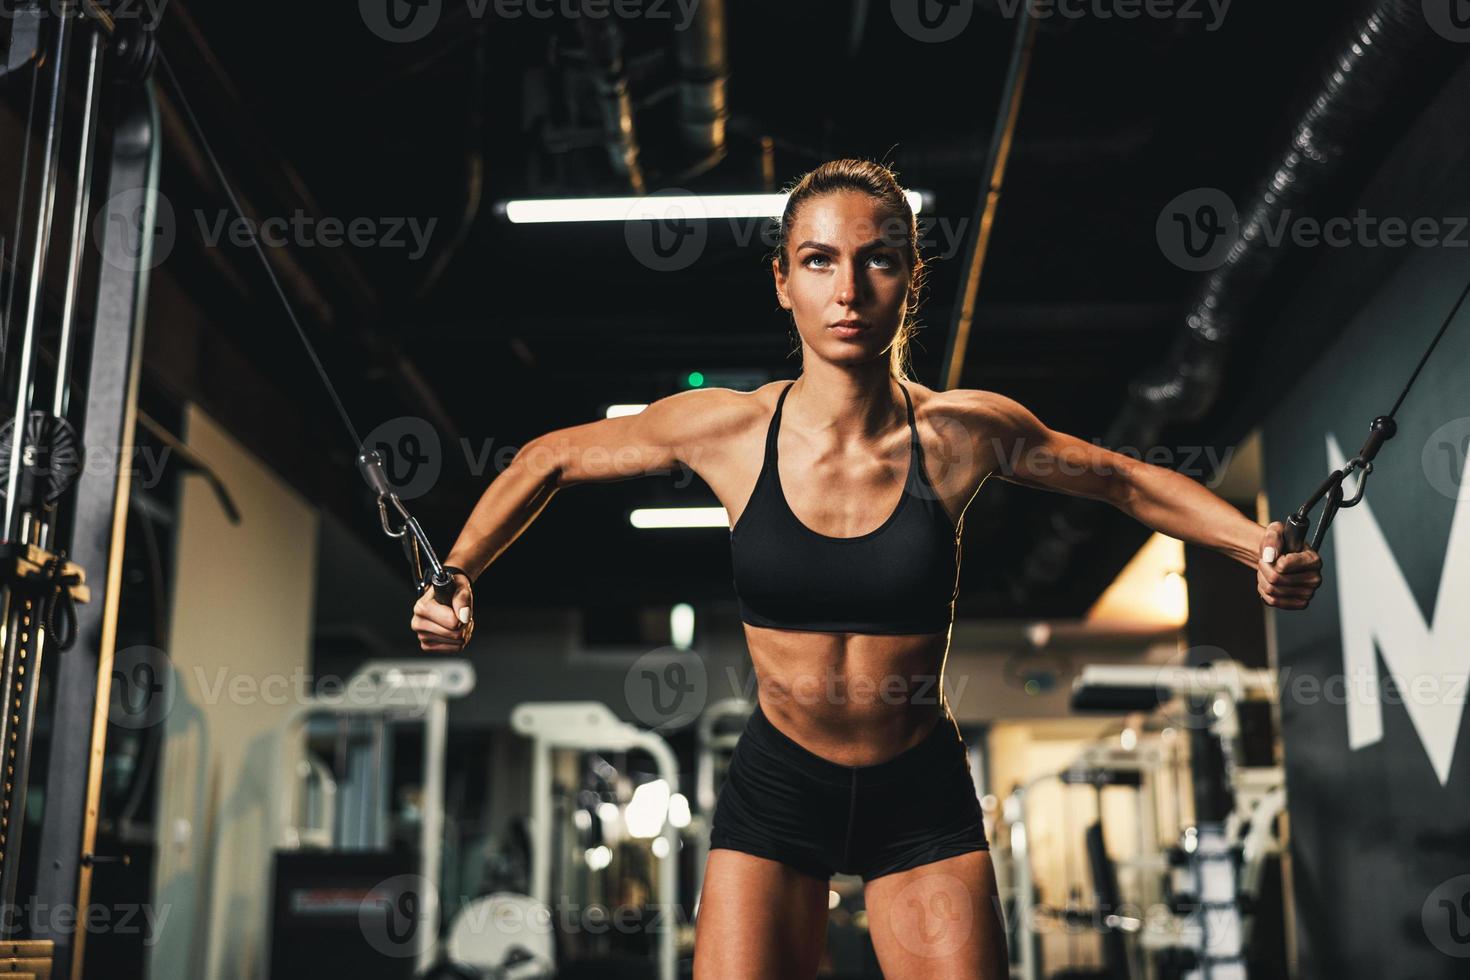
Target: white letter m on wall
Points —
{"points": [[1428, 663]]}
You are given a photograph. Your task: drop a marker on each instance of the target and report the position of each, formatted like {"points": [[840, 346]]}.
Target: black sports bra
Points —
{"points": [[901, 577]]}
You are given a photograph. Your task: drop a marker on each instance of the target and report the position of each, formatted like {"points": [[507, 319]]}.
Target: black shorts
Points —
{"points": [[782, 802]]}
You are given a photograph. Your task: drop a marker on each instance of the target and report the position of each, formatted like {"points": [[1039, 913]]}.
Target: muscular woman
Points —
{"points": [[846, 490]]}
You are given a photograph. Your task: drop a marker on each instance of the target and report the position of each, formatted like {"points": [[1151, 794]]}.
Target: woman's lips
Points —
{"points": [[848, 329]]}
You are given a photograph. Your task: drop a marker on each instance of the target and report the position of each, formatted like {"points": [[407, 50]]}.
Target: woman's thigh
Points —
{"points": [[758, 918], [939, 921]]}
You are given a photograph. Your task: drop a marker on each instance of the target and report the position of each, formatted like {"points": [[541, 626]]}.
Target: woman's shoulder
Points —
{"points": [[716, 412]]}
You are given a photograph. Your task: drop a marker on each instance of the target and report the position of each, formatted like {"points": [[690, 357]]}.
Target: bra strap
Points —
{"points": [[775, 425], [913, 425]]}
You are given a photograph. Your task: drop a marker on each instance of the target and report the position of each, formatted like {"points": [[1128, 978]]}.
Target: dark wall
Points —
{"points": [[1380, 809]]}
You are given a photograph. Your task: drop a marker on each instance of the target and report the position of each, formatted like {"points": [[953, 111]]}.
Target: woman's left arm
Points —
{"points": [[1027, 452]]}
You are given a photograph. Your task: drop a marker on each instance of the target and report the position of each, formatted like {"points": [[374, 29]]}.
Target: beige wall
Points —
{"points": [[238, 642]]}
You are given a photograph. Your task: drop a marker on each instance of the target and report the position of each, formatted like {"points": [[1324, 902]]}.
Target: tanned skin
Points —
{"points": [[843, 458]]}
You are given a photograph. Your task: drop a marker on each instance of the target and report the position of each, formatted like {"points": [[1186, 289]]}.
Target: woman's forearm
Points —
{"points": [[1173, 504], [507, 507]]}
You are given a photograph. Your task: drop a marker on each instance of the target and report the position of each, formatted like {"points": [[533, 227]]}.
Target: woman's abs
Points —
{"points": [[854, 699]]}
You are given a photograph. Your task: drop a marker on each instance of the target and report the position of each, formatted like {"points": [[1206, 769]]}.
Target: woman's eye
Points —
{"points": [[885, 262]]}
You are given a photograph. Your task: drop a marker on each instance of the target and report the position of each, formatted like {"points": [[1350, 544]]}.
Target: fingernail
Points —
{"points": [[464, 614], [1269, 555]]}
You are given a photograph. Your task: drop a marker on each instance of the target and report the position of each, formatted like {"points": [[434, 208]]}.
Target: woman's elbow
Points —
{"points": [[543, 460]]}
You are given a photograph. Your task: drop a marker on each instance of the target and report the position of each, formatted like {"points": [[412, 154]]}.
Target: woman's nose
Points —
{"points": [[847, 284]]}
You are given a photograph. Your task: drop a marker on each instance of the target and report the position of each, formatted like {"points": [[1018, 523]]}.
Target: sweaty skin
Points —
{"points": [[856, 699], [843, 455]]}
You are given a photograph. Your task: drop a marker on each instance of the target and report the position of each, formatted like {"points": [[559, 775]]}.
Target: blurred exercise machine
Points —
{"points": [[1212, 877], [591, 726], [334, 866]]}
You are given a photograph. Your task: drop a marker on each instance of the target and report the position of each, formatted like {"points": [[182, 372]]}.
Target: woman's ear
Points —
{"points": [[780, 278]]}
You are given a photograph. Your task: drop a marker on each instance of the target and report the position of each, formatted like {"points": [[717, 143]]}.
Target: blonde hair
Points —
{"points": [[880, 182]]}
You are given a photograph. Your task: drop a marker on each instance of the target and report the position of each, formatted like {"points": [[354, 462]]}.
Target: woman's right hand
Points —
{"points": [[442, 628]]}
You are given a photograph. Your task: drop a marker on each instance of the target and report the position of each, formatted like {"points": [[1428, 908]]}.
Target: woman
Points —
{"points": [[846, 489]]}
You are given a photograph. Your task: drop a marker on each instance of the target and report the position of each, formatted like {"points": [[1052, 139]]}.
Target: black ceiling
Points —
{"points": [[531, 328]]}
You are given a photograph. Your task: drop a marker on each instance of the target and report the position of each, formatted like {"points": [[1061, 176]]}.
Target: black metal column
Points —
{"points": [[84, 672]]}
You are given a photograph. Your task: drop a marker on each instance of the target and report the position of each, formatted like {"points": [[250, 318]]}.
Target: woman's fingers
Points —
{"points": [[441, 627]]}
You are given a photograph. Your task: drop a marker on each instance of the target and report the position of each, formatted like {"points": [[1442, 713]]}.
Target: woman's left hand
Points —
{"points": [[1286, 581]]}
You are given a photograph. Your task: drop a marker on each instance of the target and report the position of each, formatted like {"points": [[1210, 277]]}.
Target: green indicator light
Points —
{"points": [[695, 379]]}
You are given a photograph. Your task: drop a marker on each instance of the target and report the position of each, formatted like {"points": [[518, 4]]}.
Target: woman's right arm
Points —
{"points": [[673, 430]]}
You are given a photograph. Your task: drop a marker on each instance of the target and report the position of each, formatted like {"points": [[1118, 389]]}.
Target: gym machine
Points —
{"points": [[64, 521], [1219, 864], [592, 727], [332, 873]]}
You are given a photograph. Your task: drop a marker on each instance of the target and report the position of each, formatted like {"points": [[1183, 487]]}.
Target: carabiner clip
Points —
{"points": [[1297, 524], [416, 545]]}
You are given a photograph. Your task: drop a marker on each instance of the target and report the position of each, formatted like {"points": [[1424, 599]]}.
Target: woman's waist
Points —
{"points": [[849, 733], [835, 745]]}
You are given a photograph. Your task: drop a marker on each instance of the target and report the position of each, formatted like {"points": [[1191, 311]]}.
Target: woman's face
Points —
{"points": [[847, 264]]}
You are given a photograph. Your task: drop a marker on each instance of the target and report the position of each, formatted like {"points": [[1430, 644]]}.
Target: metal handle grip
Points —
{"points": [[1294, 537], [444, 590]]}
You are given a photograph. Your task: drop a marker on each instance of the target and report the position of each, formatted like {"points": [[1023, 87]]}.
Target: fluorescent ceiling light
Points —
{"points": [[618, 411], [662, 517], [656, 207]]}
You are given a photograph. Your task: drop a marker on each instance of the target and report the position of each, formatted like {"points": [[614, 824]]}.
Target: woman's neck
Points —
{"points": [[851, 403]]}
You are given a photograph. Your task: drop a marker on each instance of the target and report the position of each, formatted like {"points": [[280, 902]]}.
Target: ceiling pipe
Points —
{"points": [[1386, 58], [704, 76], [604, 44], [1001, 139]]}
